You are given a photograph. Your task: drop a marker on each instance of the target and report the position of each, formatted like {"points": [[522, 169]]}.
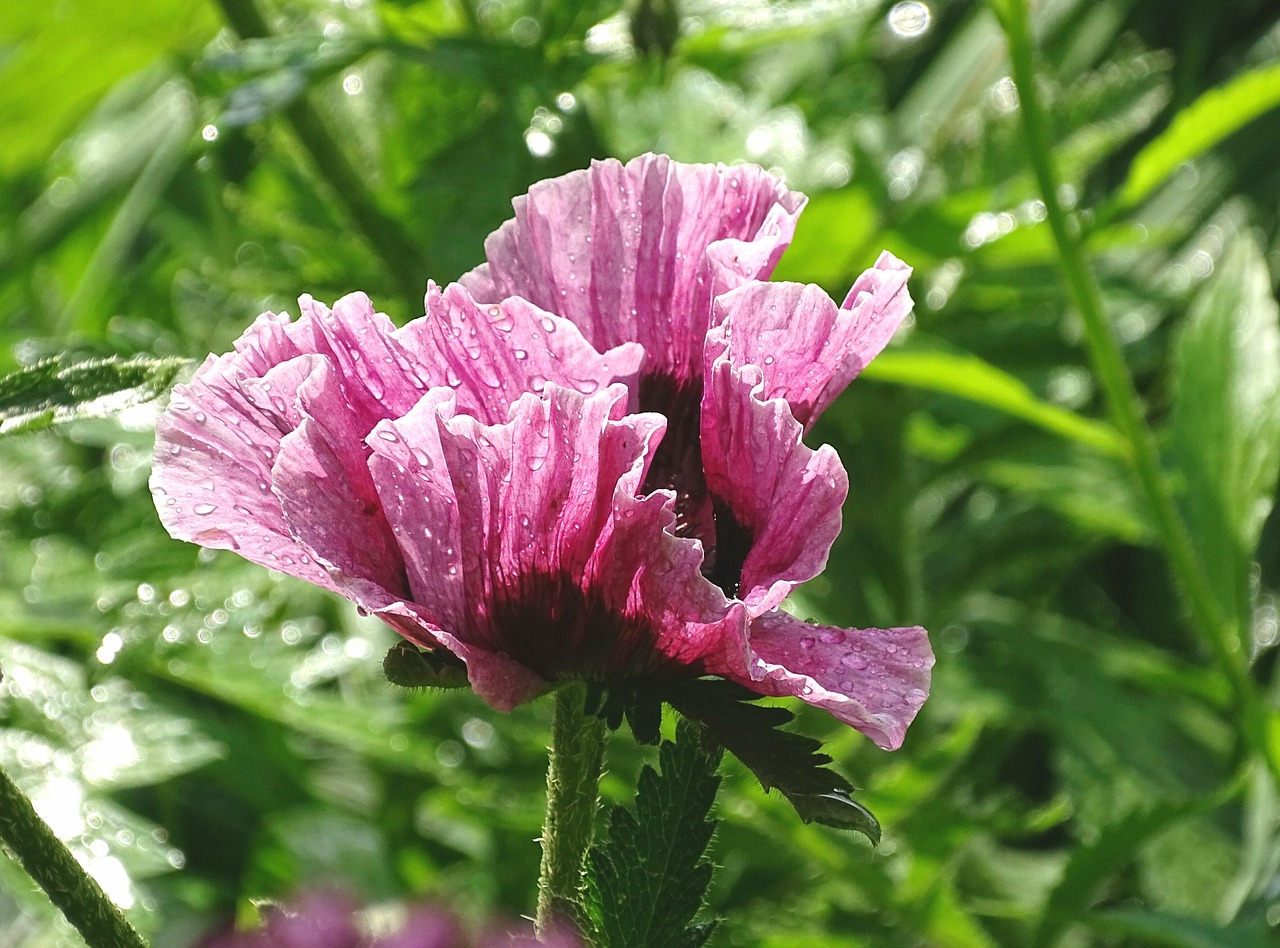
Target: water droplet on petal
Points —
{"points": [[807, 642], [204, 508], [549, 324], [521, 355], [386, 434]]}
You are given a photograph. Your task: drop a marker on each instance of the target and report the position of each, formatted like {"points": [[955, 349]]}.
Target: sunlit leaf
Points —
{"points": [[1201, 125], [1225, 425], [60, 389], [969, 377]]}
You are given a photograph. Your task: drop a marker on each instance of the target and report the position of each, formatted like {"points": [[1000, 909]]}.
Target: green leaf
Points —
{"points": [[1201, 125], [58, 390], [648, 879], [408, 666], [793, 763], [969, 377], [1225, 425], [1177, 931], [1092, 864]]}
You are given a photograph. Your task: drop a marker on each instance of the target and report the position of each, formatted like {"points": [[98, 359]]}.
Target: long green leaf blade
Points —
{"points": [[1201, 125], [1225, 425], [58, 389]]}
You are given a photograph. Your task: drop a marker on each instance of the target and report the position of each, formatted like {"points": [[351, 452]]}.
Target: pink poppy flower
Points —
{"points": [[673, 256], [478, 480]]}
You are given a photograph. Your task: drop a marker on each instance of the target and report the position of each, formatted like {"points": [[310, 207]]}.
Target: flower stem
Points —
{"points": [[573, 780], [1122, 396], [72, 890]]}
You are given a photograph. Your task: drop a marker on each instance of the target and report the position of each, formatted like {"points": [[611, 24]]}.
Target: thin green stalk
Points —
{"points": [[573, 790], [402, 258], [1121, 393], [72, 890]]}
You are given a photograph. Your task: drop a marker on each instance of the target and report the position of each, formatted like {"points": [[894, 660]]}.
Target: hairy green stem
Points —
{"points": [[573, 781], [1107, 357], [399, 254], [72, 890]]}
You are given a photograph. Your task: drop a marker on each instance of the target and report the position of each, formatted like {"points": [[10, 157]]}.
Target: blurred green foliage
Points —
{"points": [[205, 733]]}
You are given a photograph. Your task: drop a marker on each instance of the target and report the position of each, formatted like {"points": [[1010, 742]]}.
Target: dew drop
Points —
{"points": [[386, 434], [846, 685], [204, 508], [549, 324], [807, 642], [833, 637], [521, 355]]}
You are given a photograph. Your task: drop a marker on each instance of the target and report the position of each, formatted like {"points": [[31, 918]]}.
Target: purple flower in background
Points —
{"points": [[585, 461], [330, 920]]}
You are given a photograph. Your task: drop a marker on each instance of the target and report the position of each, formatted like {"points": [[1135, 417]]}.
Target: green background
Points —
{"points": [[1096, 764]]}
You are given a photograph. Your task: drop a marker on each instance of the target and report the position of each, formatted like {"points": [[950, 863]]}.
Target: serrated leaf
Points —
{"points": [[1225, 424], [58, 390], [1201, 125], [792, 763], [647, 880]]}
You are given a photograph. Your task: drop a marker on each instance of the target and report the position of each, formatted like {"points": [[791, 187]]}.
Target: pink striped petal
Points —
{"points": [[526, 550], [636, 252], [493, 354], [807, 349], [777, 501], [874, 680]]}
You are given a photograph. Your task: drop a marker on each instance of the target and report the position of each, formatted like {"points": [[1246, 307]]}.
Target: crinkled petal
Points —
{"points": [[807, 349], [492, 354], [215, 447], [380, 379], [217, 444], [872, 679], [528, 553], [777, 501], [636, 252], [321, 478]]}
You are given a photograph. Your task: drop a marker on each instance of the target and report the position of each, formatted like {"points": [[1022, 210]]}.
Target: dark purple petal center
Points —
{"points": [[677, 466], [549, 623]]}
